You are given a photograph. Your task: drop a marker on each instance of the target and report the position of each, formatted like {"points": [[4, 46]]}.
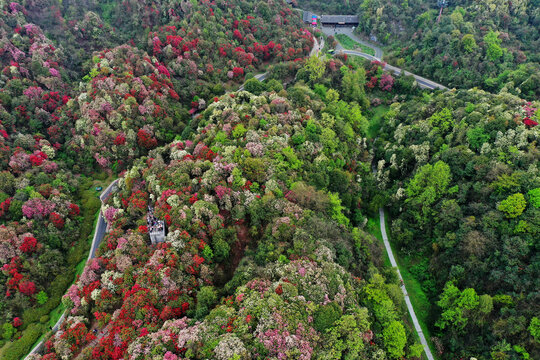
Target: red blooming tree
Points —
{"points": [[27, 288], [57, 220], [28, 245]]}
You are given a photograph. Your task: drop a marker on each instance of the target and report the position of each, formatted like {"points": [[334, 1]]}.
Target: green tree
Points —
{"points": [[395, 339], [513, 205], [442, 119], [477, 137], [325, 316], [493, 45], [534, 328], [428, 185], [254, 86], [316, 67], [221, 250], [456, 307], [42, 297], [468, 42], [353, 85], [534, 197], [8, 331], [206, 298], [416, 350], [343, 336]]}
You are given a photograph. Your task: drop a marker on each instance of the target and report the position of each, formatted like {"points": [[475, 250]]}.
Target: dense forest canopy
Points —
{"points": [[270, 196]]}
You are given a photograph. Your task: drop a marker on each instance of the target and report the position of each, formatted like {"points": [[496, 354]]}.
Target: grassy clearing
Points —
{"points": [[374, 228], [375, 120], [418, 298], [350, 44]]}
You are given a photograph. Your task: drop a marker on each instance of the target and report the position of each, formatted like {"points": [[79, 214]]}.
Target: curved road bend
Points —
{"points": [[422, 81], [100, 231]]}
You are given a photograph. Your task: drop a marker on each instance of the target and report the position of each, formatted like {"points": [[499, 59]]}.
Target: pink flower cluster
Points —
{"points": [[37, 208]]}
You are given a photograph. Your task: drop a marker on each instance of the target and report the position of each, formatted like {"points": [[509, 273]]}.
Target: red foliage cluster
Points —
{"points": [[4, 206], [237, 71], [37, 158], [17, 322], [529, 122], [57, 220], [74, 210], [146, 140], [28, 245], [120, 139], [27, 287]]}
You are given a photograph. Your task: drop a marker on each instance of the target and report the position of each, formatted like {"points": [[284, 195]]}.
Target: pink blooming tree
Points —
{"points": [[37, 208], [386, 82]]}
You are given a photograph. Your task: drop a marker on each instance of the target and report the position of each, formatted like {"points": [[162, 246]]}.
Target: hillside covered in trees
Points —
{"points": [[489, 44], [462, 180], [270, 196]]}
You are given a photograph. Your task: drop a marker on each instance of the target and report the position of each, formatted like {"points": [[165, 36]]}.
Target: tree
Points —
{"points": [[395, 339], [534, 328], [534, 197], [316, 67], [42, 297], [428, 185], [8, 331], [442, 119], [206, 298], [325, 316], [345, 334], [353, 85], [468, 42], [477, 137], [513, 205], [254, 86], [493, 48], [456, 307]]}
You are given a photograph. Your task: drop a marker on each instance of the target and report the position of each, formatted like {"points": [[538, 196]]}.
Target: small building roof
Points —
{"points": [[340, 19], [307, 16]]}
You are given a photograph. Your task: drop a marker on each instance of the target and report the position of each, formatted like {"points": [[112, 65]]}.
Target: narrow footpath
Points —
{"points": [[403, 289]]}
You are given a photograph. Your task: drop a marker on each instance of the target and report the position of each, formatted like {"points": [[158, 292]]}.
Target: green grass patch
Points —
{"points": [[373, 227], [376, 120], [56, 314], [418, 298], [350, 44]]}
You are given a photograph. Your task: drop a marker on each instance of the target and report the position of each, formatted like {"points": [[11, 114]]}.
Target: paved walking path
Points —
{"points": [[403, 289]]}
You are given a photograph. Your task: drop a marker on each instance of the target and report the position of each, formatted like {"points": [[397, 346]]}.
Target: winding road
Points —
{"points": [[331, 31], [101, 229]]}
